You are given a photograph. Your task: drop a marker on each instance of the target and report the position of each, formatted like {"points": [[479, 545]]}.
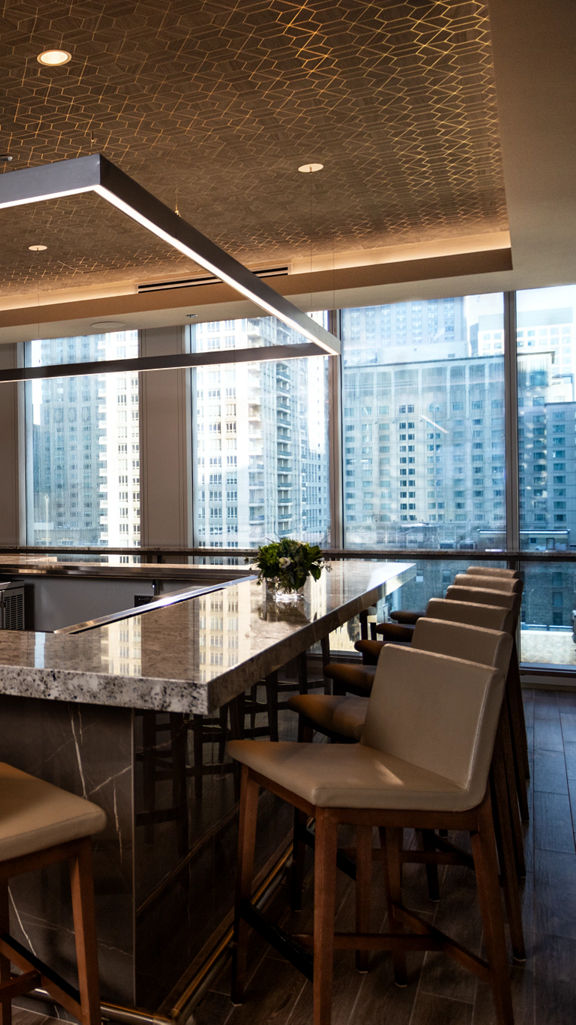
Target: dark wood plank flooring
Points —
{"points": [[440, 993]]}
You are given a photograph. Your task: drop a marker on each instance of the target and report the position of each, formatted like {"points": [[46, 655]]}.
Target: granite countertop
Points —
{"points": [[109, 567], [196, 655]]}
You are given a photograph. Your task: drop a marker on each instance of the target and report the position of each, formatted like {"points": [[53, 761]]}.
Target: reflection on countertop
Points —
{"points": [[196, 655]]}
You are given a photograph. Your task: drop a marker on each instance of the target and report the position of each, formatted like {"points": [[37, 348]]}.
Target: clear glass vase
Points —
{"points": [[275, 592]]}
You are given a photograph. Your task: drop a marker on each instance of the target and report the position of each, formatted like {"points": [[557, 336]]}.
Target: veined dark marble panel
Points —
{"points": [[87, 750], [164, 866]]}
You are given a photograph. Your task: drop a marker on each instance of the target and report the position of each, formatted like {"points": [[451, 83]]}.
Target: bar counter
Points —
{"points": [[114, 713]]}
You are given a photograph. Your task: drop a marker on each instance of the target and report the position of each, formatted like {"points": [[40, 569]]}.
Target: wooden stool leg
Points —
{"points": [[237, 720], [296, 880], [222, 738], [82, 887], [506, 857], [431, 870], [302, 672], [519, 773], [363, 889], [246, 843], [305, 730], [325, 851], [271, 683], [391, 841], [5, 1005], [490, 903], [513, 803], [325, 645], [514, 687]]}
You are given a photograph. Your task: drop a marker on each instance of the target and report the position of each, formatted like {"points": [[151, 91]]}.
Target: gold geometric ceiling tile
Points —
{"points": [[212, 105]]}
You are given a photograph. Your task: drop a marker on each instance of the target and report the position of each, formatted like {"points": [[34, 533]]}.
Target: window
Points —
{"points": [[70, 501], [547, 421], [275, 482], [428, 412]]}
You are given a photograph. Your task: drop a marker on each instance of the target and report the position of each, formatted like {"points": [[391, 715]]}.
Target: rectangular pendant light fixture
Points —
{"points": [[97, 174]]}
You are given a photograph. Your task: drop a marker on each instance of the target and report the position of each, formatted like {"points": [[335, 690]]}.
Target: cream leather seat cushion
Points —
{"points": [[35, 815], [350, 776], [337, 713]]}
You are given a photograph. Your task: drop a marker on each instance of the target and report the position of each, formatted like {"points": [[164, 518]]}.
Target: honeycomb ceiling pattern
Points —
{"points": [[213, 104]]}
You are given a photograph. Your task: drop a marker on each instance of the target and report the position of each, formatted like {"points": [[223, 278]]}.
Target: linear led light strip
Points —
{"points": [[96, 174]]}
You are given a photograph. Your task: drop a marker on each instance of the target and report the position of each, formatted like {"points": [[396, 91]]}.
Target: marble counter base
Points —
{"points": [[164, 866]]}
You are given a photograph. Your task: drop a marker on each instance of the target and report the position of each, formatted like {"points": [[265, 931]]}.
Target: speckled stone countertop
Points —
{"points": [[109, 567], [196, 655]]}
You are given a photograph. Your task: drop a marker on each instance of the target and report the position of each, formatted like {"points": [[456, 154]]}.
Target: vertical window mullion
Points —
{"points": [[511, 422], [335, 434]]}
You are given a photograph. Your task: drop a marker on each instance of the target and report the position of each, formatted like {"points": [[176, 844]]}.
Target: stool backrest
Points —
{"points": [[491, 617], [492, 571], [438, 712], [510, 585], [482, 596], [461, 640]]}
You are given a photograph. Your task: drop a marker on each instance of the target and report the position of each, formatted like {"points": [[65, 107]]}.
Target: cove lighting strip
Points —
{"points": [[96, 174]]}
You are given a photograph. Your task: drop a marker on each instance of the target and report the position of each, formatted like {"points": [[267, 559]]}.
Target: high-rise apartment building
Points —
{"points": [[260, 442], [84, 431]]}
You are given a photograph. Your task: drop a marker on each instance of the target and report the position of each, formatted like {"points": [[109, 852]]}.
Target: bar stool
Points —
{"points": [[342, 718], [400, 630], [495, 591], [480, 593], [40, 824], [423, 762], [349, 678]]}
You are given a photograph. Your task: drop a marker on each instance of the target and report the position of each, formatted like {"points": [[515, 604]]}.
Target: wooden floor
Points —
{"points": [[440, 993]]}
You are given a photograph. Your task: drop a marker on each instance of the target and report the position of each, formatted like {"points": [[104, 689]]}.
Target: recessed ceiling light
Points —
{"points": [[54, 58], [39, 248], [310, 168]]}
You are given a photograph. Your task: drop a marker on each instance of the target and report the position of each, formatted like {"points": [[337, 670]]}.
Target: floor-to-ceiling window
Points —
{"points": [[426, 463], [82, 444], [260, 442], [546, 345], [423, 430]]}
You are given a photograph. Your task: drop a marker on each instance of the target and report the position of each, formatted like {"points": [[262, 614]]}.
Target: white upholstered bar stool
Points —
{"points": [[423, 762], [342, 718], [402, 622], [40, 824], [481, 590], [496, 617]]}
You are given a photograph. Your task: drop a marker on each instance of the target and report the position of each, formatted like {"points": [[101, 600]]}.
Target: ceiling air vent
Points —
{"points": [[163, 286]]}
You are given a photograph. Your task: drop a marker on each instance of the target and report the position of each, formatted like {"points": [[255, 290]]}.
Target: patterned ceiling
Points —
{"points": [[213, 104]]}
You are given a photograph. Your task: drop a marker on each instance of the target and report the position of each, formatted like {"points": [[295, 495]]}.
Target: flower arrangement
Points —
{"points": [[287, 563]]}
